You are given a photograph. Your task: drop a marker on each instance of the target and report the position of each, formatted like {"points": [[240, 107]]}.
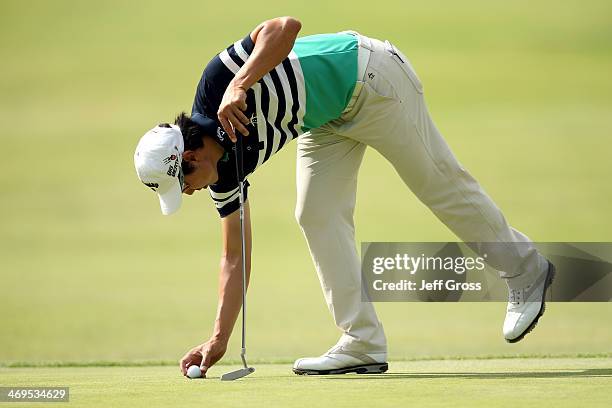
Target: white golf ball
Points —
{"points": [[194, 372]]}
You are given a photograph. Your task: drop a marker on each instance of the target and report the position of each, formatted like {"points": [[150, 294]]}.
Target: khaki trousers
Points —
{"points": [[388, 113]]}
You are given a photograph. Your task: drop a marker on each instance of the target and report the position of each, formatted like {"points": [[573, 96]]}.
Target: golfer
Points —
{"points": [[336, 94]]}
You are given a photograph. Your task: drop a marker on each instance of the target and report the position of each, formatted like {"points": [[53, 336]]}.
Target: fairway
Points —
{"points": [[89, 262], [90, 271], [565, 382]]}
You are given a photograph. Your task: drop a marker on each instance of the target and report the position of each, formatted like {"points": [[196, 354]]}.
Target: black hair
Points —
{"points": [[193, 137]]}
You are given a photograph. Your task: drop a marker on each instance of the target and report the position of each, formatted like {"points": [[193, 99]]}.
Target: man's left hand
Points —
{"points": [[231, 111]]}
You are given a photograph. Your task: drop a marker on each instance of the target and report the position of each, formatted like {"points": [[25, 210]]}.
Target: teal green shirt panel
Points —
{"points": [[329, 66]]}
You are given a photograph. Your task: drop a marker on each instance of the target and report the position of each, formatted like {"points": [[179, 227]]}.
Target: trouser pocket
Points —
{"points": [[403, 62]]}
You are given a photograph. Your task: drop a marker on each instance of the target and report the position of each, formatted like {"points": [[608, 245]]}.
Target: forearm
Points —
{"points": [[230, 296], [273, 45]]}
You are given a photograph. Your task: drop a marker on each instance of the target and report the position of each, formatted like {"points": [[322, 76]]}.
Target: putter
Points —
{"points": [[246, 370]]}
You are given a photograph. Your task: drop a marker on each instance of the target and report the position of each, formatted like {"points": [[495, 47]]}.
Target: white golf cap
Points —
{"points": [[158, 160]]}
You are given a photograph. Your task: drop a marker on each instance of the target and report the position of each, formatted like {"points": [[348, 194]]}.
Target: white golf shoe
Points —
{"points": [[526, 305], [340, 361]]}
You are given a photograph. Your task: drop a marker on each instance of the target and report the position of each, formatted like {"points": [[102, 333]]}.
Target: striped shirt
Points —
{"points": [[307, 89]]}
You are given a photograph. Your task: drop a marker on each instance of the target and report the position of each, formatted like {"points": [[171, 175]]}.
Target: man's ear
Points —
{"points": [[189, 155]]}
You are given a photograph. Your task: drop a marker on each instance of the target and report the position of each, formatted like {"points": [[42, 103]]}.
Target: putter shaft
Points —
{"points": [[234, 375]]}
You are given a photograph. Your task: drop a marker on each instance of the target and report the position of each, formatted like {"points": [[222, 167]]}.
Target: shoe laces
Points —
{"points": [[516, 296]]}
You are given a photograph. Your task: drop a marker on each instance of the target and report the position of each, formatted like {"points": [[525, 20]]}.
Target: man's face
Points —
{"points": [[204, 171]]}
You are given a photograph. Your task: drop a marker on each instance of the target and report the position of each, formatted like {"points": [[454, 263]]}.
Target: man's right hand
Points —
{"points": [[205, 355]]}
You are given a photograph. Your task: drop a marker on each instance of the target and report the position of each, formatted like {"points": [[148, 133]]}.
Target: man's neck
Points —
{"points": [[215, 150]]}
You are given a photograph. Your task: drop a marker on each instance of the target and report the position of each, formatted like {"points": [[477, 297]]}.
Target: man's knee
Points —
{"points": [[320, 215], [306, 215]]}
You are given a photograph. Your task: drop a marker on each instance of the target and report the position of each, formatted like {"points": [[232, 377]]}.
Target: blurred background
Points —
{"points": [[90, 269]]}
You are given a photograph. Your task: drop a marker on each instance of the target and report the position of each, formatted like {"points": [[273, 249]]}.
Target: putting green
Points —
{"points": [[567, 382], [90, 270]]}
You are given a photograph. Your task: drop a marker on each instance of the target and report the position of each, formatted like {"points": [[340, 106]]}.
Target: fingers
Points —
{"points": [[211, 354], [235, 121], [241, 116], [232, 118], [183, 365], [192, 357], [231, 112], [242, 105], [227, 127], [206, 361]]}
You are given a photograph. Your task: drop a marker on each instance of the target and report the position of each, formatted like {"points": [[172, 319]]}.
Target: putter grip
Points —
{"points": [[239, 158]]}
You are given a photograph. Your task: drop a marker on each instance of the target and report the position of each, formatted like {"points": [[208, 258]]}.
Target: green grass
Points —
{"points": [[90, 271], [466, 383]]}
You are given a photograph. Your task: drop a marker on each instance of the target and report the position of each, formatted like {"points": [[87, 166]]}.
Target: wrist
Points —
{"points": [[239, 83], [220, 336]]}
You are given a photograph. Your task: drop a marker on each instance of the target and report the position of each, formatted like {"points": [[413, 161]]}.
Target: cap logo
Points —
{"points": [[173, 168], [170, 158]]}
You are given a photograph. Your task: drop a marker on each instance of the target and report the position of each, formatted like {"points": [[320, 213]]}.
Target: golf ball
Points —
{"points": [[194, 372]]}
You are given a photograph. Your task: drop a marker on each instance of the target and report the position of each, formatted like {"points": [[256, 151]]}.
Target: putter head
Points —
{"points": [[234, 375]]}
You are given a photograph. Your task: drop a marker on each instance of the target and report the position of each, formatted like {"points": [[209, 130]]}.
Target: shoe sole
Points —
{"points": [[550, 275], [378, 368]]}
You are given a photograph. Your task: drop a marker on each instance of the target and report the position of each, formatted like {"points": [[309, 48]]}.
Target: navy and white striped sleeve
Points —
{"points": [[226, 198], [217, 76]]}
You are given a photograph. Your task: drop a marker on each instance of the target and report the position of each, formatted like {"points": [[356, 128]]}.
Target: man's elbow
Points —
{"points": [[291, 24], [231, 259]]}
